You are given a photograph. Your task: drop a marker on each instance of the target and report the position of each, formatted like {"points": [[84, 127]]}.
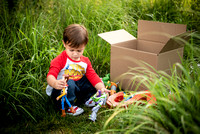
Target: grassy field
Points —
{"points": [[31, 36]]}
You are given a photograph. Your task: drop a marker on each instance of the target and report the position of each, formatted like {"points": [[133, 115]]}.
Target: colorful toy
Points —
{"points": [[110, 85], [113, 88], [120, 99], [100, 100], [64, 98], [106, 79]]}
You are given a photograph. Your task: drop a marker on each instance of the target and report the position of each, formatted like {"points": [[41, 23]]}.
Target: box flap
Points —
{"points": [[176, 42], [116, 36], [158, 31]]}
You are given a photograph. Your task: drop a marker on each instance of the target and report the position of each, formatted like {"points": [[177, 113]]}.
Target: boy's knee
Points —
{"points": [[71, 84]]}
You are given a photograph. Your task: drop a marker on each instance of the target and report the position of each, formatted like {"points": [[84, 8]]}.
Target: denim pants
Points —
{"points": [[78, 92]]}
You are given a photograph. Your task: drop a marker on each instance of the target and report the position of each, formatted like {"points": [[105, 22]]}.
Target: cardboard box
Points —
{"points": [[156, 44]]}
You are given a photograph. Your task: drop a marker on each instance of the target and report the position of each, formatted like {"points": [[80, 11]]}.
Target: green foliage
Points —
{"points": [[173, 11], [31, 36]]}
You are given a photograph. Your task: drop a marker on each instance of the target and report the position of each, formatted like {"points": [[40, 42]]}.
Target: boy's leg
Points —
{"points": [[86, 90], [71, 96], [71, 92]]}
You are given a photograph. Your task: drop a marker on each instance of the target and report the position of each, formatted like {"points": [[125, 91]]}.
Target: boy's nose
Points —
{"points": [[75, 53]]}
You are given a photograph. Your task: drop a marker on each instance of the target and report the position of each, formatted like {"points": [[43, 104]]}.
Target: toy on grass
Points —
{"points": [[110, 85], [100, 100], [63, 97], [120, 99], [113, 88], [106, 79]]}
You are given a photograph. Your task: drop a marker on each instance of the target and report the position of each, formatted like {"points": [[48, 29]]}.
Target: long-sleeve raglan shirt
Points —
{"points": [[63, 64]]}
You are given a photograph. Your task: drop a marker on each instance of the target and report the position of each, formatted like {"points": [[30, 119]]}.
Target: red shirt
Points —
{"points": [[76, 69]]}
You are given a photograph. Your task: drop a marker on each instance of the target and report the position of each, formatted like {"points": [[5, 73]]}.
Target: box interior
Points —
{"points": [[153, 37], [141, 45]]}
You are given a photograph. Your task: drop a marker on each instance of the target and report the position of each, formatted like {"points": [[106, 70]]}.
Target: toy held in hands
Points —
{"points": [[63, 97]]}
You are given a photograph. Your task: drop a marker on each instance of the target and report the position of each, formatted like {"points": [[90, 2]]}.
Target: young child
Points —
{"points": [[83, 81]]}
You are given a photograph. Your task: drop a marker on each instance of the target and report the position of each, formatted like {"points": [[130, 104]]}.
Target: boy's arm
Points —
{"points": [[57, 84], [94, 78]]}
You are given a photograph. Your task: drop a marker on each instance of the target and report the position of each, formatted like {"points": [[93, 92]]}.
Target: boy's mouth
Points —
{"points": [[75, 58]]}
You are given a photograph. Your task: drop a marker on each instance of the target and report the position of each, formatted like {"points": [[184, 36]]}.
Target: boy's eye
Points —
{"points": [[79, 50], [71, 50]]}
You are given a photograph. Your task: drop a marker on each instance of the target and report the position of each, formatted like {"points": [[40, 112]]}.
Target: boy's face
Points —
{"points": [[74, 53]]}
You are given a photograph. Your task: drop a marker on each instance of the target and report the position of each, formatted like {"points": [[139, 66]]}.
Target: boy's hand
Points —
{"points": [[105, 90], [59, 84]]}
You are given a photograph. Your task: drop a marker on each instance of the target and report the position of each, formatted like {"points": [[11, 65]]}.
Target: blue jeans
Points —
{"points": [[78, 92]]}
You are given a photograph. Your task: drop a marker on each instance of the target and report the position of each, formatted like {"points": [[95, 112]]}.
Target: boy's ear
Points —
{"points": [[64, 43]]}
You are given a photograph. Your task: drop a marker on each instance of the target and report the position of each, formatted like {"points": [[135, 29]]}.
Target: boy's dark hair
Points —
{"points": [[76, 35]]}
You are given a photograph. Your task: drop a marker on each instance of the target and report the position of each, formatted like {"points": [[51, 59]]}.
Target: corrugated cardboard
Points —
{"points": [[154, 45]]}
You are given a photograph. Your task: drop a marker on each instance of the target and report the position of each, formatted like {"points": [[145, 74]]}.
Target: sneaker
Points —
{"points": [[77, 110], [90, 103]]}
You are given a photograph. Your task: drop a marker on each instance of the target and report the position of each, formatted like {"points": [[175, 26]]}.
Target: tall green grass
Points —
{"points": [[31, 36]]}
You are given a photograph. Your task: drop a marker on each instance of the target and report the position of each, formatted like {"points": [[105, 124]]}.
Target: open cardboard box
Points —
{"points": [[156, 44]]}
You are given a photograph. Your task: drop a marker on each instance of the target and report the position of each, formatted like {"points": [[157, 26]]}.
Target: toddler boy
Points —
{"points": [[83, 81]]}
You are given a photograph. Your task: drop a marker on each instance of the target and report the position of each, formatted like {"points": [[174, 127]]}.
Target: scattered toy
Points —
{"points": [[120, 99], [100, 100]]}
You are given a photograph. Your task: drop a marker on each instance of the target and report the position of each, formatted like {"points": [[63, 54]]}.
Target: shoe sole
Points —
{"points": [[75, 114]]}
